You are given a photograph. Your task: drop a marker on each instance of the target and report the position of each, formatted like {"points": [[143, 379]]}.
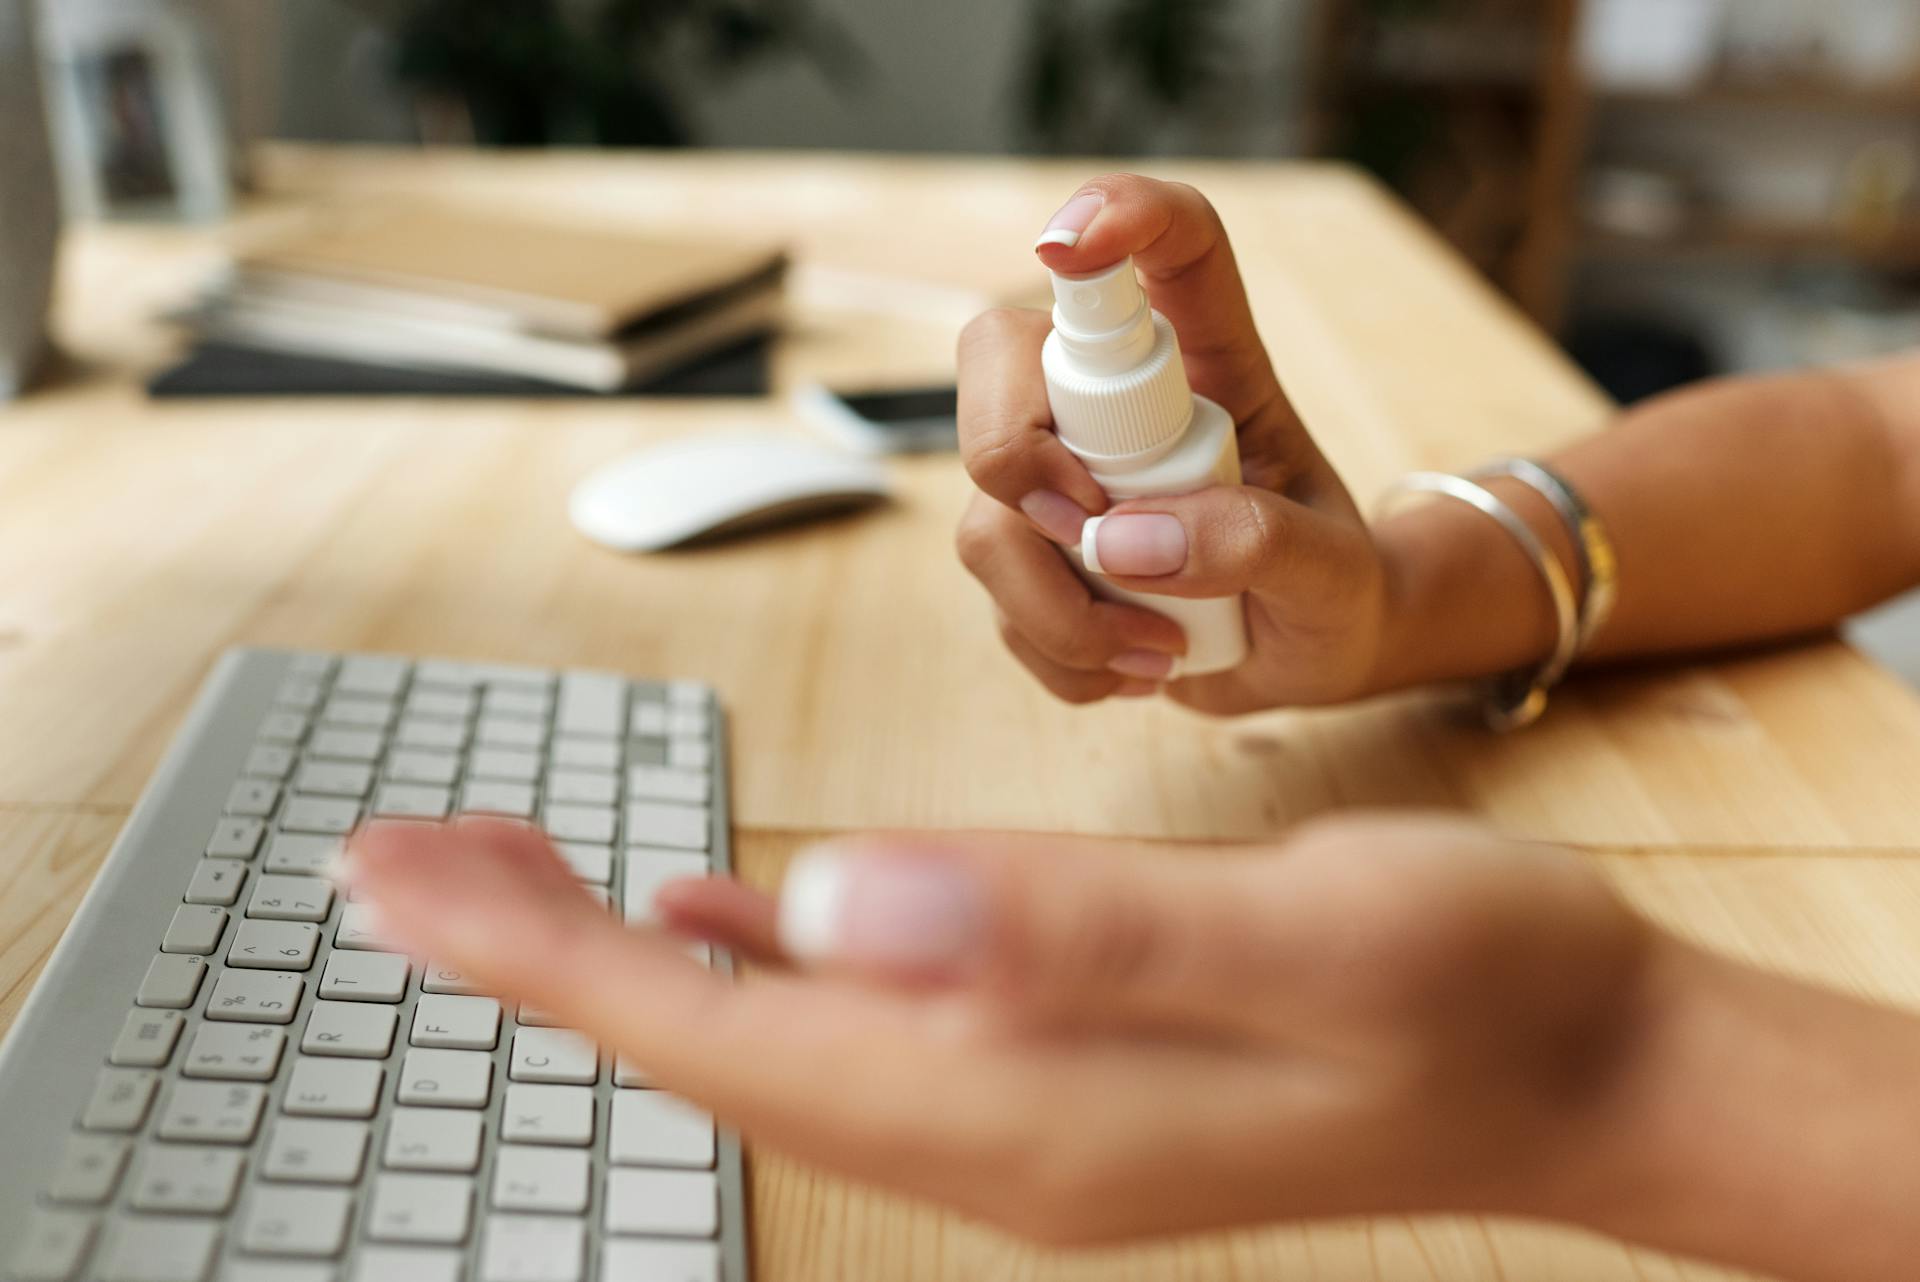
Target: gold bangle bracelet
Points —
{"points": [[1514, 699]]}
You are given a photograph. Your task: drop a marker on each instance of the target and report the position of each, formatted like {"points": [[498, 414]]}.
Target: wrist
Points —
{"points": [[1462, 600]]}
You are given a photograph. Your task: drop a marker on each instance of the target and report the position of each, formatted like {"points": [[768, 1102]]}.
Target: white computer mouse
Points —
{"points": [[710, 485]]}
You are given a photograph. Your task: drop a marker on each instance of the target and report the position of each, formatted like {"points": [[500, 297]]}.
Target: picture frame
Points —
{"points": [[136, 116]]}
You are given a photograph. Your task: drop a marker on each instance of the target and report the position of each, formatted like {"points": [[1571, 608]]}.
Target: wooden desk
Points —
{"points": [[1763, 803]]}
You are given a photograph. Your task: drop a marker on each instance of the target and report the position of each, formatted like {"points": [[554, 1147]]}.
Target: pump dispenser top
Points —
{"points": [[1114, 378]]}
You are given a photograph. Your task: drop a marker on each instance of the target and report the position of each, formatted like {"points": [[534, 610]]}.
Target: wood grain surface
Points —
{"points": [[1761, 802]]}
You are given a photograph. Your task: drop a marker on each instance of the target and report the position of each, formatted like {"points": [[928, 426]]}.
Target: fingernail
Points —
{"points": [[1058, 516], [1150, 664], [1141, 543], [1070, 222], [1135, 688], [906, 912]]}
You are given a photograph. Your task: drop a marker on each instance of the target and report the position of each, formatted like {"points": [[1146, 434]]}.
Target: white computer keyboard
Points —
{"points": [[223, 1075]]}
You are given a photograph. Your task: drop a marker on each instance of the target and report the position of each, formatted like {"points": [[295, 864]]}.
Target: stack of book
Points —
{"points": [[447, 299]]}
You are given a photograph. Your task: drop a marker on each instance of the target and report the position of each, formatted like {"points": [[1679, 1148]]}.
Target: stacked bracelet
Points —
{"points": [[1516, 699]]}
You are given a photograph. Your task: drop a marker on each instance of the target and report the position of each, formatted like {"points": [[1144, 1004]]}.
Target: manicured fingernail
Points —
{"points": [[1070, 222], [1137, 543], [1056, 514], [1150, 664], [907, 912], [1135, 688]]}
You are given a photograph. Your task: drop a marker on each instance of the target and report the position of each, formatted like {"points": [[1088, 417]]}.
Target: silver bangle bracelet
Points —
{"points": [[1517, 698], [1592, 549]]}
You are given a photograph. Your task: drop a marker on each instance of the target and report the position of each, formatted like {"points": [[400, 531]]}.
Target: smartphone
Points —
{"points": [[893, 420]]}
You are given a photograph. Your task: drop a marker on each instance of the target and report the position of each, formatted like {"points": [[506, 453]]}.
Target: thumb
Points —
{"points": [[1226, 540], [1055, 928]]}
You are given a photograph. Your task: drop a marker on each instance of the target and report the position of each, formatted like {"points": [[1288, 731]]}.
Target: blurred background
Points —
{"points": [[1672, 187]]}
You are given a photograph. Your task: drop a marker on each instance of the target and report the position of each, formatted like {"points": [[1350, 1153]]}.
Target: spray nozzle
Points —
{"points": [[1102, 317]]}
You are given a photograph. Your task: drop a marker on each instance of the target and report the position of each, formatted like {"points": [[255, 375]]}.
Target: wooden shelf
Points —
{"points": [[1899, 248], [1786, 95]]}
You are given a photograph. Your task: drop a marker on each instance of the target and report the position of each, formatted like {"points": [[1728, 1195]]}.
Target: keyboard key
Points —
{"points": [[269, 761], [420, 1208], [52, 1251], [533, 1248], [358, 1030], [690, 754], [120, 1099], [147, 1038], [253, 797], [582, 787], [89, 1170], [369, 674], [236, 838], [509, 765], [217, 1112], [346, 745], [302, 694], [525, 703], [509, 732], [652, 1128], [302, 663], [320, 814], [283, 727], [358, 930], [318, 1152], [365, 977], [536, 1017], [438, 978], [548, 1115], [649, 721], [417, 765], [181, 1177], [665, 783], [296, 1221], [586, 754], [553, 1055], [649, 870], [434, 1139], [407, 1264], [235, 1052], [334, 779], [151, 1249], [263, 997], [411, 801], [216, 881], [639, 1260], [300, 854], [275, 1271], [447, 705], [580, 823], [591, 703], [666, 1203], [446, 1079], [540, 1179], [591, 863], [423, 732], [172, 981], [278, 897], [458, 1023], [361, 714], [333, 1088], [274, 945], [195, 928], [658, 823], [628, 1073], [490, 797]]}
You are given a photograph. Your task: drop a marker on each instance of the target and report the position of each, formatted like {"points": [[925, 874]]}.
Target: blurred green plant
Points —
{"points": [[610, 73], [1102, 75]]}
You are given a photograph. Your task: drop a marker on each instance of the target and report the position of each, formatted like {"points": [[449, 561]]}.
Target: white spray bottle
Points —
{"points": [[1121, 403]]}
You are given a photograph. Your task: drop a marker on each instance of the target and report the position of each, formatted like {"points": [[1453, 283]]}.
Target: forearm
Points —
{"points": [[1741, 511], [1763, 1123]]}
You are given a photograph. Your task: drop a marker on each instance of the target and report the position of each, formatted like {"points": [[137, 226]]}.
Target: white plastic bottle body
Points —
{"points": [[1207, 455]]}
